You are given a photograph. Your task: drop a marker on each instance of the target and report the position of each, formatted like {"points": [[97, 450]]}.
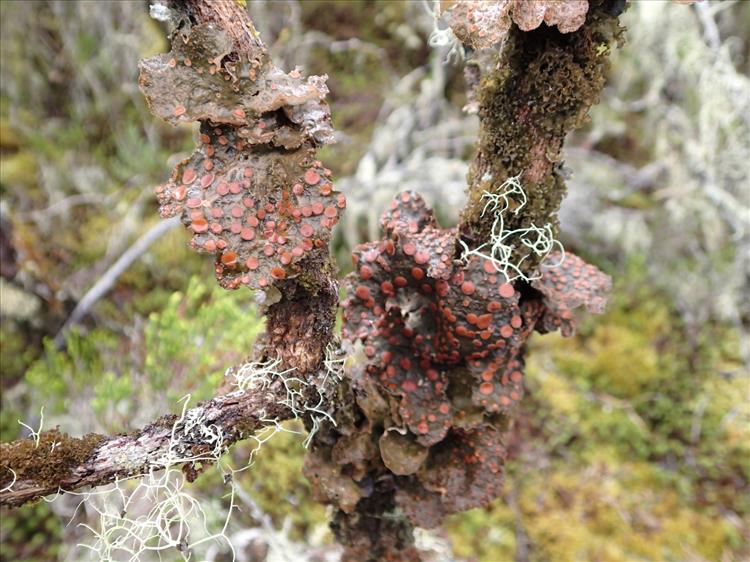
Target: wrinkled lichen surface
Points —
{"points": [[252, 193], [441, 334], [442, 344], [482, 23]]}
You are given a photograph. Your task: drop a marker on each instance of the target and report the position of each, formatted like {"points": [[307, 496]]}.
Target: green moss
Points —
{"points": [[185, 347], [616, 513], [309, 280], [47, 460], [17, 352], [485, 535], [542, 88]]}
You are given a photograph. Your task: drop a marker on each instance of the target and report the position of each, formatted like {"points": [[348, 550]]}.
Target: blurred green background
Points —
{"points": [[633, 443]]}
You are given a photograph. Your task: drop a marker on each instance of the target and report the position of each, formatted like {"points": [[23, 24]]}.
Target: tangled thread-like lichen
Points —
{"points": [[499, 250]]}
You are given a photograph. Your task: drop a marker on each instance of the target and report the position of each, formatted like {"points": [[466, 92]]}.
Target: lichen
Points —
{"points": [[570, 284], [328, 483], [443, 343], [464, 472], [252, 193], [541, 88], [482, 23], [204, 78]]}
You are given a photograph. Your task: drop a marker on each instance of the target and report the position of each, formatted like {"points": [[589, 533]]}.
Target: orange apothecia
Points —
{"points": [[426, 323], [257, 235]]}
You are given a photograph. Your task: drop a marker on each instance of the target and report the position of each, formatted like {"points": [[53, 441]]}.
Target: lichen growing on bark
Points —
{"points": [[463, 473], [442, 339], [252, 193], [542, 87], [442, 344], [482, 23]]}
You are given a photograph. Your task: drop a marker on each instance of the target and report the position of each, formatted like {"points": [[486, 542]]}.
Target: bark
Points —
{"points": [[228, 15]]}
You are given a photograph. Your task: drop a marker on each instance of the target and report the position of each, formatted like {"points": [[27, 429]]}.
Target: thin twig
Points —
{"points": [[109, 278], [710, 29]]}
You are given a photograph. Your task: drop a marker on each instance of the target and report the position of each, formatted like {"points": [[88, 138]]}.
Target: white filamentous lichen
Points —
{"points": [[333, 370], [9, 487], [499, 249], [259, 375], [35, 434], [154, 515], [444, 37], [174, 520]]}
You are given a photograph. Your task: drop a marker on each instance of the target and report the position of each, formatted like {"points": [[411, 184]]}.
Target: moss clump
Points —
{"points": [[541, 89], [46, 461]]}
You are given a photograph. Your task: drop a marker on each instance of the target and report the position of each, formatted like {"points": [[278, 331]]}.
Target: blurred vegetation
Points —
{"points": [[633, 442], [633, 445]]}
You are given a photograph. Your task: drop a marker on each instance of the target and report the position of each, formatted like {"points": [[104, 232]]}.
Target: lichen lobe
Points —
{"points": [[442, 367], [482, 23], [252, 193]]}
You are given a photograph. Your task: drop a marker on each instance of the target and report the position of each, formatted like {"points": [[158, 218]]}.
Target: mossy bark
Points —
{"points": [[31, 469], [541, 89]]}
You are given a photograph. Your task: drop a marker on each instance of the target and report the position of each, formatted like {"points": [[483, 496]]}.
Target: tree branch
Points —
{"points": [[260, 129], [541, 89], [217, 46], [54, 462]]}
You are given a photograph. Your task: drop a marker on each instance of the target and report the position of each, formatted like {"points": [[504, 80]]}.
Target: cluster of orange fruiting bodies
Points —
{"points": [[259, 214], [444, 342]]}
